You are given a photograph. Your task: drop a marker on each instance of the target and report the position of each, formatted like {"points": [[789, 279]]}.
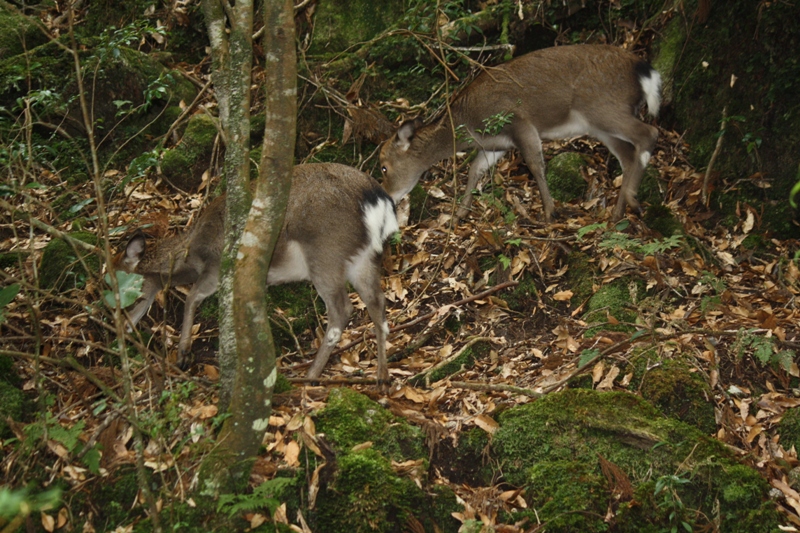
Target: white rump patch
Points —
{"points": [[380, 222], [651, 86]]}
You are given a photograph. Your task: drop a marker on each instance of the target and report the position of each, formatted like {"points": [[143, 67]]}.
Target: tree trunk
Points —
{"points": [[247, 352]]}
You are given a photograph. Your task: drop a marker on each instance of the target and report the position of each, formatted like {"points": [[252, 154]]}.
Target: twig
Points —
{"points": [[427, 373], [496, 387], [717, 149]]}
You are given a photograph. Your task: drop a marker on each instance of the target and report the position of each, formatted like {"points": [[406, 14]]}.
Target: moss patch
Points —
{"points": [[184, 164], [351, 418], [564, 176], [612, 300], [572, 450], [17, 32], [60, 268]]}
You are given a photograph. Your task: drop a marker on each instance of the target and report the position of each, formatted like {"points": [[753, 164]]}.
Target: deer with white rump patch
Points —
{"points": [[553, 93], [337, 220]]}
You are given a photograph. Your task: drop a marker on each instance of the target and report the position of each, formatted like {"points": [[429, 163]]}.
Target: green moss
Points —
{"points": [[184, 164], [660, 218], [612, 299], [114, 499], [790, 429], [580, 277], [367, 496], [300, 307], [679, 393], [419, 209], [60, 269], [351, 418], [650, 188], [282, 385], [564, 176], [524, 297], [17, 32], [10, 259], [552, 447], [339, 24], [12, 406], [763, 128], [666, 55]]}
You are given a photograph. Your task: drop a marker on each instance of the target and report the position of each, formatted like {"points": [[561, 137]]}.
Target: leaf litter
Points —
{"points": [[701, 296]]}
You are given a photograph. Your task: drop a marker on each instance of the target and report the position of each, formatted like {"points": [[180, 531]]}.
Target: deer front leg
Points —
{"points": [[205, 286], [337, 303]]}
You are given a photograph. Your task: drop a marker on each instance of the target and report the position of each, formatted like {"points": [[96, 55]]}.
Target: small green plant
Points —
{"points": [[495, 123], [582, 232], [711, 301], [763, 349], [666, 492], [625, 242], [16, 505], [265, 496], [130, 289], [6, 297]]}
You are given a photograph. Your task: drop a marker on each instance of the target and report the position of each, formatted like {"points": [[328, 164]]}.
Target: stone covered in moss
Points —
{"points": [[351, 418], [184, 164], [580, 277], [613, 299], [339, 24], [12, 406], [790, 429], [577, 450], [17, 32], [564, 176], [364, 493], [678, 393], [660, 218], [60, 269]]}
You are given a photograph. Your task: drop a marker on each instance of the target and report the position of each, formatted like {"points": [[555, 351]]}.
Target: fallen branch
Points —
{"points": [[496, 387], [717, 149]]}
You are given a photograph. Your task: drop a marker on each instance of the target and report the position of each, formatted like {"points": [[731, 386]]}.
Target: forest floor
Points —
{"points": [[702, 291]]}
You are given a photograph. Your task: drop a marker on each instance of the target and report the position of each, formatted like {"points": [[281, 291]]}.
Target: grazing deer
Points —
{"points": [[337, 220], [552, 93]]}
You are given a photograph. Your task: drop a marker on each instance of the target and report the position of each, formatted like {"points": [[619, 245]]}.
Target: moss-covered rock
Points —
{"points": [[184, 164], [65, 267], [577, 451], [114, 499], [366, 495], [564, 176], [351, 418], [339, 24], [580, 277], [759, 47], [612, 300], [12, 406], [660, 218], [679, 393], [790, 429], [17, 32]]}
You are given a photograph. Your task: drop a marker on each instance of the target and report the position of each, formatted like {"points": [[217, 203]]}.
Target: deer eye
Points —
{"points": [[383, 170]]}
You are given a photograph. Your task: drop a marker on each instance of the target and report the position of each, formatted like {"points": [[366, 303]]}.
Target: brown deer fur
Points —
{"points": [[337, 219], [547, 94]]}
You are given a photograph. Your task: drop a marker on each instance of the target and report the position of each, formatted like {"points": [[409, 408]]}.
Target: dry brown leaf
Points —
{"points": [[291, 453], [486, 423]]}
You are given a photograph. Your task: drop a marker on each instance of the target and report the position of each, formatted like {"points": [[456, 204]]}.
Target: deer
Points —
{"points": [[337, 220], [552, 93]]}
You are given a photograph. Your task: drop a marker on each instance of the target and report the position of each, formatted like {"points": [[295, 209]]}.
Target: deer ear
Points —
{"points": [[406, 132], [134, 250]]}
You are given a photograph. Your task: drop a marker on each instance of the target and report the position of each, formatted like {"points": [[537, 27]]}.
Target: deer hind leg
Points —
{"points": [[206, 285], [339, 308], [367, 283], [633, 151], [484, 160], [530, 145]]}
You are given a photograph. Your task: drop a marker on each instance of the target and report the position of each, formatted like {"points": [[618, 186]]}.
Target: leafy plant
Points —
{"points": [[6, 297], [582, 232], [130, 289], [15, 505], [717, 285], [763, 349], [667, 487], [263, 497], [495, 123], [625, 242]]}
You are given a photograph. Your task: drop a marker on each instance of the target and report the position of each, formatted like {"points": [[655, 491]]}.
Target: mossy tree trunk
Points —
{"points": [[247, 357]]}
